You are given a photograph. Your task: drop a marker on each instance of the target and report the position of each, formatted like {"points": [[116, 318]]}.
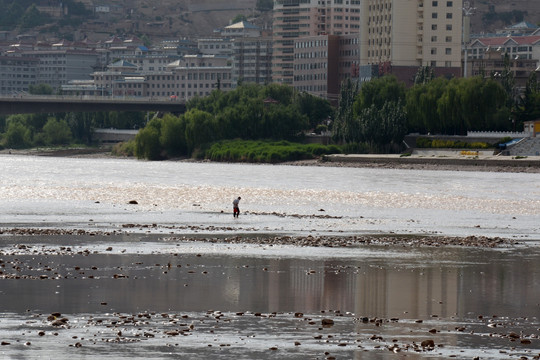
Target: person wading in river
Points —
{"points": [[236, 209]]}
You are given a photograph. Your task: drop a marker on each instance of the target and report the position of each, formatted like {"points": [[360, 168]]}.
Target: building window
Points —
{"points": [[448, 51], [434, 38], [434, 3], [449, 3], [448, 39], [449, 27], [448, 15], [433, 51], [434, 27], [433, 15]]}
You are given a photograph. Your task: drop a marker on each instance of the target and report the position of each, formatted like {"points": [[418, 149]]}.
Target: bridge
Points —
{"points": [[34, 104]]}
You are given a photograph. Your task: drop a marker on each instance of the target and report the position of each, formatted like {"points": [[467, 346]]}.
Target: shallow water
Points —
{"points": [[146, 295], [94, 193], [218, 289]]}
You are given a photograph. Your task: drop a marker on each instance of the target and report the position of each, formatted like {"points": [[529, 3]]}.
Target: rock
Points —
{"points": [[327, 322], [428, 343], [59, 322], [133, 202]]}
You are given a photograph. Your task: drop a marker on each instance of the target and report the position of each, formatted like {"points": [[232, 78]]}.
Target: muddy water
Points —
{"points": [[94, 193], [146, 297]]}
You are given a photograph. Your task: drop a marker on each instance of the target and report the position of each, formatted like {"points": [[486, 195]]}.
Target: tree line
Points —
{"points": [[24, 14], [371, 117], [249, 112], [380, 112], [31, 130]]}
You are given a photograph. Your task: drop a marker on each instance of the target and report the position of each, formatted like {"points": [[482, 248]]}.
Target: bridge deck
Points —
{"points": [[32, 104]]}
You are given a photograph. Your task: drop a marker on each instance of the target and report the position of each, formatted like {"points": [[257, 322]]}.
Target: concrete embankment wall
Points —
{"points": [[463, 161], [114, 135]]}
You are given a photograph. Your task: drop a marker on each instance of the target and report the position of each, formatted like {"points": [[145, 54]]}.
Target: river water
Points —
{"points": [[95, 193], [143, 294]]}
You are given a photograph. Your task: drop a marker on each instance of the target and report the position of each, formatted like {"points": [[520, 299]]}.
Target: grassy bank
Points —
{"points": [[266, 151]]}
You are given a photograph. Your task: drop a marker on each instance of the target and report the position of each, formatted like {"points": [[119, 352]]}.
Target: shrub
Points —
{"points": [[266, 151], [124, 149], [147, 144], [57, 132], [17, 136]]}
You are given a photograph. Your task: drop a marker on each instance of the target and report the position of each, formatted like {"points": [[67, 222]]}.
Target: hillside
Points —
{"points": [[172, 19], [500, 10]]}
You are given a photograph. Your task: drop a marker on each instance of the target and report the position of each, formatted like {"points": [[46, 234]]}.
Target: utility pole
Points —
{"points": [[468, 10]]}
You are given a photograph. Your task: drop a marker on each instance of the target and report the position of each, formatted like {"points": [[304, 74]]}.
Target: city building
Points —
{"points": [[522, 47], [17, 74], [252, 61], [323, 62], [250, 53], [199, 75], [492, 63], [401, 36], [57, 67], [304, 18], [193, 75], [522, 28], [215, 46]]}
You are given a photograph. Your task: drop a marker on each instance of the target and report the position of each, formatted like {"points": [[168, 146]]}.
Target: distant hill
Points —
{"points": [[172, 19], [491, 15]]}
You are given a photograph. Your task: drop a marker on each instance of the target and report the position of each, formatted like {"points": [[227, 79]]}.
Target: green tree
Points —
{"points": [[378, 91], [40, 89], [424, 75], [81, 126], [12, 14], [238, 18], [56, 132], [481, 100], [147, 144], [173, 135], [32, 18], [17, 135], [345, 126], [383, 127], [421, 105], [529, 106], [318, 110], [200, 129], [264, 5]]}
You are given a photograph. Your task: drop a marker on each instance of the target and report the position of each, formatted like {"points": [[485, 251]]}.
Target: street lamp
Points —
{"points": [[468, 10]]}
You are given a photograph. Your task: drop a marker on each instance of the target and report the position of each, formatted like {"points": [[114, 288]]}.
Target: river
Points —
{"points": [[143, 294], [287, 199]]}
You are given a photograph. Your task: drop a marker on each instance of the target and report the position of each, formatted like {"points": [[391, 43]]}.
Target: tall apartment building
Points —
{"points": [[57, 68], [402, 35], [301, 18], [17, 74], [251, 53], [323, 62]]}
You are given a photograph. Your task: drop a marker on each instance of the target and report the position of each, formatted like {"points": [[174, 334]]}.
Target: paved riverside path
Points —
{"points": [[440, 157]]}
